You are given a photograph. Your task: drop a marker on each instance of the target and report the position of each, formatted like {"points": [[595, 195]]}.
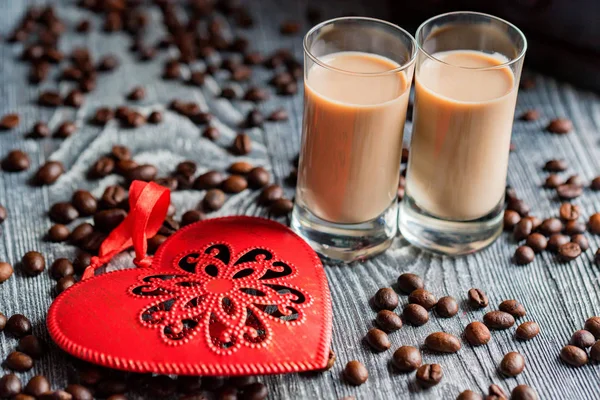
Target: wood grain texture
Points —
{"points": [[558, 296]]}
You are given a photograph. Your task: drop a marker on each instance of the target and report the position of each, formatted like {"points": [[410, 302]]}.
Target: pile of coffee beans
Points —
{"points": [[584, 345]]}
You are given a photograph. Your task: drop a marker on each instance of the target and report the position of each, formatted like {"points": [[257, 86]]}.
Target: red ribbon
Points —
{"points": [[148, 206]]}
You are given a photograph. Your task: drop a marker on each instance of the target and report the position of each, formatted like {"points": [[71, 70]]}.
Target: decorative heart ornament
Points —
{"points": [[225, 296]]}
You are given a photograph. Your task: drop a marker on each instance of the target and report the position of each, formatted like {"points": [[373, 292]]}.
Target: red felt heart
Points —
{"points": [[226, 296]]}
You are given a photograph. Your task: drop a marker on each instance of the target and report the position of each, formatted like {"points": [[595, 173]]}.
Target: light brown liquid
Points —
{"points": [[461, 134], [352, 139]]}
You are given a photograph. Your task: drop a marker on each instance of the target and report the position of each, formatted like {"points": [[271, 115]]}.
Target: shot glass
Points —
{"points": [[357, 78], [466, 82]]}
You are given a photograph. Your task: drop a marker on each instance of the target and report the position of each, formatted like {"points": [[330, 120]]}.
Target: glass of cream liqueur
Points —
{"points": [[466, 81], [357, 78]]}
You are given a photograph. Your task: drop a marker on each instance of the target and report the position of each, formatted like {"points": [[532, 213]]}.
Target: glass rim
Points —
{"points": [[508, 63], [400, 68]]}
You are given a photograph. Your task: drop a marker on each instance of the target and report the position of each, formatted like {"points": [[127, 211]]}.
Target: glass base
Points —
{"points": [[448, 237], [346, 242]]}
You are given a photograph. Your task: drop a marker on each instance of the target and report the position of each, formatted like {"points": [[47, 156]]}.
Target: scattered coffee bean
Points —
{"points": [[3, 321], [240, 168], [524, 392], [60, 268], [355, 373], [407, 358], [144, 172], [37, 386], [556, 241], [18, 325], [211, 133], [527, 330], [512, 364], [234, 184], [535, 222], [155, 117], [378, 339], [49, 173], [477, 298], [16, 161], [270, 194], [574, 356], [530, 115], [519, 206], [3, 214], [593, 325], [560, 126], [569, 191], [385, 299], [208, 180], [595, 352], [423, 298], [569, 251], [523, 229], [258, 178], [107, 220], [556, 165], [50, 99], [513, 307], [85, 203], [553, 181], [79, 392], [498, 320], [496, 393], [136, 94], [595, 184], [446, 307], [6, 271], [469, 395], [242, 144], [581, 241], [281, 207], [415, 314], [408, 283], [574, 227], [10, 386], [511, 218], [388, 320], [477, 334], [537, 242], [524, 255], [575, 180], [33, 263], [551, 226], [442, 342], [191, 216], [9, 121], [429, 375], [80, 233], [40, 130], [213, 200], [278, 115], [74, 99], [594, 223], [18, 361], [66, 282], [582, 339], [63, 213]]}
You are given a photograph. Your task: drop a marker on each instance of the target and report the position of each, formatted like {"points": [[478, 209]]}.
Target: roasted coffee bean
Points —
{"points": [[33, 263], [254, 119], [281, 207], [469, 395], [407, 358], [524, 255], [385, 299], [512, 364], [551, 226], [18, 325], [446, 307], [75, 98], [107, 220], [3, 214], [102, 116], [535, 222], [228, 93], [355, 373], [527, 330], [477, 298], [442, 342], [16, 161], [259, 391], [191, 216], [18, 361], [423, 298], [119, 153], [171, 70], [50, 99], [574, 356], [378, 339], [537, 242], [388, 320], [511, 218], [524, 392], [569, 251], [408, 282], [40, 130], [136, 94], [57, 395], [242, 144], [270, 194], [211, 133], [513, 307], [37, 386], [477, 334], [569, 191], [429, 375], [575, 180], [9, 121], [415, 314], [234, 184], [523, 229], [569, 212], [60, 268], [496, 393], [530, 115], [593, 325], [208, 180], [278, 115], [498, 320], [556, 165], [582, 339], [556, 241], [581, 240], [594, 223], [6, 271], [201, 118], [135, 119], [519, 206], [49, 173], [553, 181], [240, 168], [595, 352], [113, 196], [155, 117], [80, 233], [258, 178], [10, 386], [289, 27], [574, 227], [3, 321], [595, 184], [560, 126], [63, 213], [186, 168], [85, 203], [213, 200], [144, 172]]}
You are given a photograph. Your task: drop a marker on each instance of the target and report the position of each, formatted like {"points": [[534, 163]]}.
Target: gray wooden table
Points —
{"points": [[558, 296]]}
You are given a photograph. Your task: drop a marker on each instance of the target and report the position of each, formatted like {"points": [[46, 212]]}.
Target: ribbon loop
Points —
{"points": [[148, 206]]}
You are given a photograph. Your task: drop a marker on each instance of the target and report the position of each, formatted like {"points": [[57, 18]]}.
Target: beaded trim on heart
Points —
{"points": [[230, 299]]}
